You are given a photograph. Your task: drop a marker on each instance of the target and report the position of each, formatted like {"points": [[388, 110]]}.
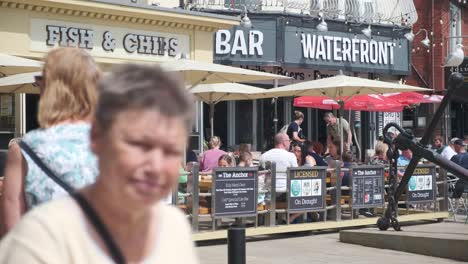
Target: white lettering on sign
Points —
{"points": [[342, 49], [247, 46], [107, 41], [69, 37]]}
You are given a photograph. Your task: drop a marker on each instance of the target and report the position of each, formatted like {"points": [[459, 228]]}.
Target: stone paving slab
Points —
{"points": [[313, 248], [445, 240]]}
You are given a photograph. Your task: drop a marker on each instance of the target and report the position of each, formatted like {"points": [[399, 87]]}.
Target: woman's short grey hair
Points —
{"points": [[142, 87]]}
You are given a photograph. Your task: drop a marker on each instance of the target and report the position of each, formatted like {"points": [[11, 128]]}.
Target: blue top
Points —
{"points": [[461, 159], [402, 161], [65, 149]]}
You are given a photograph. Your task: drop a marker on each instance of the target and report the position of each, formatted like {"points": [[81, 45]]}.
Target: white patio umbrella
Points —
{"points": [[10, 65], [197, 72], [215, 93], [337, 87], [19, 83]]}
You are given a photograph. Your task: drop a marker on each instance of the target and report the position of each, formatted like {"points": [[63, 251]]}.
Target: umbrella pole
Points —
{"points": [[341, 126], [212, 106]]}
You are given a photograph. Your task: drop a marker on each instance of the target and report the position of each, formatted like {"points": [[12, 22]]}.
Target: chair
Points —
{"points": [[456, 203]]}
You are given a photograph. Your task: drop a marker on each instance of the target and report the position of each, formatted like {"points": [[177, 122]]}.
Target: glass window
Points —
{"points": [[243, 125]]}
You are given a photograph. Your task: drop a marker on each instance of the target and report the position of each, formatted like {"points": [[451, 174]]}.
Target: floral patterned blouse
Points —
{"points": [[65, 150]]}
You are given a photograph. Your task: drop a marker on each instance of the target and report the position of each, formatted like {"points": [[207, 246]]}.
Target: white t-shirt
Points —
{"points": [[448, 152], [283, 160], [57, 233]]}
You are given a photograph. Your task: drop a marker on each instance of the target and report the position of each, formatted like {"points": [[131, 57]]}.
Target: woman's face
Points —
{"points": [[138, 161], [223, 163], [297, 152]]}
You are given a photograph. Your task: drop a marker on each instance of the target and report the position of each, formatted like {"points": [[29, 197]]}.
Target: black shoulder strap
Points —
{"points": [[114, 250], [44, 167]]}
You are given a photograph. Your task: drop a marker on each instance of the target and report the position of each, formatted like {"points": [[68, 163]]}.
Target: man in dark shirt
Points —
{"points": [[461, 158], [294, 129]]}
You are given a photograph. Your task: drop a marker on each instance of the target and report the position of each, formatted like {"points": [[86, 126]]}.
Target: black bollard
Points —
{"points": [[236, 245]]}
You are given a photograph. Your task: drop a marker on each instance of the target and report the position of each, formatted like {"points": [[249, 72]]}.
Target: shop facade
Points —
{"points": [[111, 32], [291, 45]]}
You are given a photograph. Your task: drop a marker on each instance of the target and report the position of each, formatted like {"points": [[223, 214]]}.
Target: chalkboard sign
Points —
{"points": [[367, 186], [306, 188], [421, 186], [235, 192]]}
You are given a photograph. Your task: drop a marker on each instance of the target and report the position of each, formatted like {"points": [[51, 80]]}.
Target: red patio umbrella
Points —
{"points": [[408, 98], [367, 102]]}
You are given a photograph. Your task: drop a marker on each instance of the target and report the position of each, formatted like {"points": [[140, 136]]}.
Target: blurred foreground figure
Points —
{"points": [[121, 218], [68, 97]]}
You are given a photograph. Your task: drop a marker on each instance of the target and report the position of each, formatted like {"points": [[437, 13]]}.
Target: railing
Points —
{"points": [[359, 11], [339, 205]]}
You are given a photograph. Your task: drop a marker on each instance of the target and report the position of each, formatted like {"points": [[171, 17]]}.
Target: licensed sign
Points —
{"points": [[235, 191], [306, 189], [421, 186], [367, 186]]}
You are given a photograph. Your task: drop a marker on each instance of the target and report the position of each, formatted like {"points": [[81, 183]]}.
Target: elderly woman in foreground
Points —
{"points": [[120, 218]]}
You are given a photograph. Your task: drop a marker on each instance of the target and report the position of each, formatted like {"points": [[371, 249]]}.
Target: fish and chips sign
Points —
{"points": [[107, 41]]}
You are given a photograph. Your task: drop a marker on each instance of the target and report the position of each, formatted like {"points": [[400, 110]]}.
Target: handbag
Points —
{"points": [[89, 211]]}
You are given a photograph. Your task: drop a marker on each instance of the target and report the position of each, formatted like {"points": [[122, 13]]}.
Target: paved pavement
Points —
{"points": [[315, 248]]}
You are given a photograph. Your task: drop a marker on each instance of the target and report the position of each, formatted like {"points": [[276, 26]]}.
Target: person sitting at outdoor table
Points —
{"points": [[120, 218], [296, 149], [243, 147], [405, 158], [334, 152], [443, 150], [461, 158], [283, 159], [245, 159], [347, 159], [312, 155], [226, 161], [380, 157], [209, 158]]}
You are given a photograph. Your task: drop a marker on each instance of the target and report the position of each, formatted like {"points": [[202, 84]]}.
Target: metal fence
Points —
{"points": [[395, 12], [193, 196]]}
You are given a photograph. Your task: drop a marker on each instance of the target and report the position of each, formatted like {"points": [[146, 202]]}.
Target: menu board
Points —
{"points": [[367, 186], [306, 188], [235, 191], [421, 186]]}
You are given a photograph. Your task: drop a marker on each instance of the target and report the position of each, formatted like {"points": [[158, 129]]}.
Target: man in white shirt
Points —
{"points": [[445, 151], [283, 159]]}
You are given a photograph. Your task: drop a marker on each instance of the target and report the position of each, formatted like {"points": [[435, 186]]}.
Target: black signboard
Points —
{"points": [[306, 188], [367, 186], [235, 192], [421, 186]]}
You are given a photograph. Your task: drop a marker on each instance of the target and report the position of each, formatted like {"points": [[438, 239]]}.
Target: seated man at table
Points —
{"points": [[283, 159]]}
